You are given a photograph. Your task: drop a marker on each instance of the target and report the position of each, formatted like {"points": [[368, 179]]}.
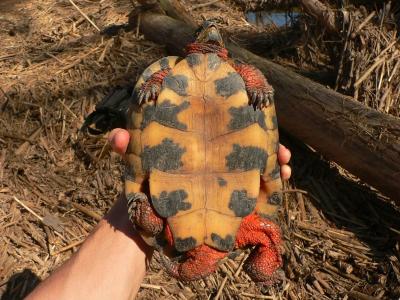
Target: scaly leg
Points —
{"points": [[265, 259], [199, 263], [260, 92], [140, 211], [149, 83], [152, 86]]}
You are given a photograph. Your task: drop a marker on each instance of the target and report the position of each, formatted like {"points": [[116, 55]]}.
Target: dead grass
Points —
{"points": [[341, 239], [369, 63]]}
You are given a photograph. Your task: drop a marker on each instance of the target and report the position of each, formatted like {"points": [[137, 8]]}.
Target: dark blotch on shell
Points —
{"points": [[246, 158], [186, 244], [193, 59], [221, 181], [177, 83], [169, 204], [229, 85], [213, 61], [165, 114], [225, 244], [274, 120], [276, 172], [241, 204], [164, 157], [164, 63], [275, 199], [244, 116], [129, 172]]}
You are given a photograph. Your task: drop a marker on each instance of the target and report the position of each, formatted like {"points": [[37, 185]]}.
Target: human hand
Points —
{"points": [[119, 140]]}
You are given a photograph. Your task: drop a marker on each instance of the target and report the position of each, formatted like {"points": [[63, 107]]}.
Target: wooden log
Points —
{"points": [[360, 139], [326, 16]]}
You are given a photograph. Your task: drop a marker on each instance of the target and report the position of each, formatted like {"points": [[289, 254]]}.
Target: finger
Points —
{"points": [[286, 172], [119, 140], [284, 155]]}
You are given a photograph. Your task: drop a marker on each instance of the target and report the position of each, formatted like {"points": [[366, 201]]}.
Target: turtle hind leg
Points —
{"points": [[198, 263], [140, 211], [142, 214], [265, 260], [263, 267]]}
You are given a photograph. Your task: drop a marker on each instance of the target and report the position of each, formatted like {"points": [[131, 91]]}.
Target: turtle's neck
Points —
{"points": [[207, 48]]}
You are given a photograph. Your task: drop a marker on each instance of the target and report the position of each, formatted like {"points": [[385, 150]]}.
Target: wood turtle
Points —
{"points": [[202, 177]]}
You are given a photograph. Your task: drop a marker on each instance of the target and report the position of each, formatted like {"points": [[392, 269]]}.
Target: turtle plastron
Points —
{"points": [[203, 177]]}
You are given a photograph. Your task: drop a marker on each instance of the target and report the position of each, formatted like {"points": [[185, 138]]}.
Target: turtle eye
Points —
{"points": [[216, 21]]}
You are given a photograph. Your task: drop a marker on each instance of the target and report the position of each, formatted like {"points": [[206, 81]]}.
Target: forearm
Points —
{"points": [[110, 264]]}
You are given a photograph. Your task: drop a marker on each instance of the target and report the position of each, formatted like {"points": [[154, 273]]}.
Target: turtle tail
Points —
{"points": [[196, 264], [171, 267]]}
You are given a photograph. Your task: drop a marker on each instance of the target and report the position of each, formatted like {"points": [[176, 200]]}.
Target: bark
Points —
{"points": [[322, 13], [362, 140]]}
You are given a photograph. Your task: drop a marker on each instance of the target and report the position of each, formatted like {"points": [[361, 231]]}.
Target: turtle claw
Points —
{"points": [[140, 97], [253, 98], [277, 280], [171, 267], [148, 92], [269, 99], [260, 97], [151, 88], [154, 92], [148, 95], [142, 215], [133, 200]]}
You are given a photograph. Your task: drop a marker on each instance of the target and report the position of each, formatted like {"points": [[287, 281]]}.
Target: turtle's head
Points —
{"points": [[208, 33], [208, 40]]}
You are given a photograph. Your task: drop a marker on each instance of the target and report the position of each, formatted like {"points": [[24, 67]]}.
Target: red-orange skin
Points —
{"points": [[156, 79], [146, 218], [202, 261], [266, 258], [207, 48], [253, 78], [253, 231]]}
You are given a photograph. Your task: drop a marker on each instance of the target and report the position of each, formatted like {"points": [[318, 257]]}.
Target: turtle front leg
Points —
{"points": [[260, 92], [198, 263], [263, 263], [149, 83], [151, 88]]}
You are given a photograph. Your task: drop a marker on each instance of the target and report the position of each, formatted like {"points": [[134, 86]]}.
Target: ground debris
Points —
{"points": [[341, 238]]}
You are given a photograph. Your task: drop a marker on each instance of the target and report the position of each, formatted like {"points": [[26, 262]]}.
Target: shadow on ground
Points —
{"points": [[20, 285], [344, 201]]}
